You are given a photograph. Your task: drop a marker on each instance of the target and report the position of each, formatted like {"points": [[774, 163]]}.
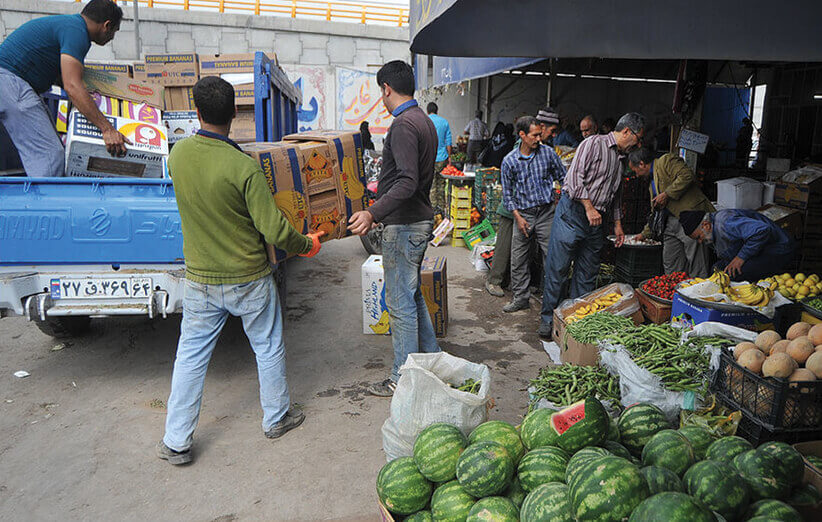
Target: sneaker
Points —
{"points": [[292, 419], [494, 290], [546, 331], [516, 306], [382, 389], [173, 457]]}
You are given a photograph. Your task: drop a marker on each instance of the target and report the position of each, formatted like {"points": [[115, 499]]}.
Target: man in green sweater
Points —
{"points": [[227, 211]]}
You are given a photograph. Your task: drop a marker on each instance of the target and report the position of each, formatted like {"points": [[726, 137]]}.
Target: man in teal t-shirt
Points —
{"points": [[444, 142], [47, 51]]}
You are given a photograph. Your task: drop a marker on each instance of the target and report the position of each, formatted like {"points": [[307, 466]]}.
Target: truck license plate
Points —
{"points": [[110, 288]]}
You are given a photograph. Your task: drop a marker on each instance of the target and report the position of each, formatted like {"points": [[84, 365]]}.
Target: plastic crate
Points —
{"points": [[478, 233], [636, 262], [461, 224], [458, 192], [756, 433], [459, 204], [773, 403]]}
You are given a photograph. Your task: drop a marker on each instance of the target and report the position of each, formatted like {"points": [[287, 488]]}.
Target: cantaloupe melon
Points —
{"points": [[814, 364], [815, 334], [802, 375], [766, 339], [780, 346], [797, 330], [800, 349], [741, 348], [752, 360], [780, 365]]}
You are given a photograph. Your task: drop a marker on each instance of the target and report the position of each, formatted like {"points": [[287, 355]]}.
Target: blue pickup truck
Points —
{"points": [[76, 248]]}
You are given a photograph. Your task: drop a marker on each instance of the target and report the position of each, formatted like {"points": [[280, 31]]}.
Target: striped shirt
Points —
{"points": [[595, 174], [477, 130], [528, 181]]}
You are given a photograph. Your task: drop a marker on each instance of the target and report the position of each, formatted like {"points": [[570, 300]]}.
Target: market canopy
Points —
{"points": [[755, 30]]}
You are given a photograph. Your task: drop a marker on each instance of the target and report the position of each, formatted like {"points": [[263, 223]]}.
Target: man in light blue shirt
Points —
{"points": [[443, 155]]}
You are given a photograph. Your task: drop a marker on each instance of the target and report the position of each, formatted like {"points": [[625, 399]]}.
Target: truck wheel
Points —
{"points": [[371, 243], [65, 326]]}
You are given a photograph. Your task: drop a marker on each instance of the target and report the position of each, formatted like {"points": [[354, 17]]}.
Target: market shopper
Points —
{"points": [[403, 212], [46, 51], [499, 276], [749, 246], [444, 143], [673, 188], [588, 126], [477, 132], [226, 209], [528, 175], [548, 121], [566, 137], [498, 147], [592, 190]]}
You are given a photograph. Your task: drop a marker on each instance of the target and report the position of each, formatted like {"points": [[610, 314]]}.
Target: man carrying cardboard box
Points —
{"points": [[225, 208], [36, 55]]}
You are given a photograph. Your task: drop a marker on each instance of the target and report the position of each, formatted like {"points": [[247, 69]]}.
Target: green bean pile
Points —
{"points": [[566, 384], [468, 385], [594, 327]]}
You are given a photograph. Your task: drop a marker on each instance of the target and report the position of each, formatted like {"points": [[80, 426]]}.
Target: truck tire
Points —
{"points": [[64, 327]]}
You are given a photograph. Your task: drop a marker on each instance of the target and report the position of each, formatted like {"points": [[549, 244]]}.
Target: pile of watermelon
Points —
{"points": [[578, 464]]}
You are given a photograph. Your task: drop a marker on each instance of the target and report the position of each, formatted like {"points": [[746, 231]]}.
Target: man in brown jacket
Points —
{"points": [[674, 187]]}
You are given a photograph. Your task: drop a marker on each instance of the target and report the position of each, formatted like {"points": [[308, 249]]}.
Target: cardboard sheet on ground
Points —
{"points": [[711, 290]]}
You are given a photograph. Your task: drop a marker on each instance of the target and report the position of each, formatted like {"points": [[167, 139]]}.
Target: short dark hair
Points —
{"points": [[101, 11], [524, 123], [432, 108], [214, 98], [398, 75], [641, 155], [478, 114]]}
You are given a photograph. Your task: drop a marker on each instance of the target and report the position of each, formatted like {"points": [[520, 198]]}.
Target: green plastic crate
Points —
{"points": [[478, 233]]}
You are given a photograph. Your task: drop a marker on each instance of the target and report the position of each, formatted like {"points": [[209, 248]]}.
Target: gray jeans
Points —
{"points": [[680, 253], [539, 220], [26, 118]]}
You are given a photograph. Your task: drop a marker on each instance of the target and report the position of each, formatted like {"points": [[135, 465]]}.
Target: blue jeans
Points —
{"points": [[25, 117], [572, 239], [205, 310], [403, 249]]}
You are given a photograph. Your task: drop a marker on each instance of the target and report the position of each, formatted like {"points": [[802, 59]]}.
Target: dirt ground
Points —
{"points": [[77, 436]]}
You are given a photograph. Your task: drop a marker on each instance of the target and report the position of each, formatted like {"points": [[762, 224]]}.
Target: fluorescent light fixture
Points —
{"points": [[817, 96]]}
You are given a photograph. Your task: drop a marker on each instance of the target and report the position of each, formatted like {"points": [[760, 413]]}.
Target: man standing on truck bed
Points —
{"points": [[226, 209], [46, 51]]}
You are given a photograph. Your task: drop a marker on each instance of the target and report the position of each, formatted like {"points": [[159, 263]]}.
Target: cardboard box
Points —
{"points": [[86, 153], [788, 219], [123, 87], [243, 128], [179, 99], [61, 123], [434, 287], [141, 112], [116, 68], [739, 192], [138, 71], [180, 125], [572, 351], [107, 105], [326, 213], [244, 94], [219, 64], [697, 313], [653, 310], [318, 165], [173, 70]]}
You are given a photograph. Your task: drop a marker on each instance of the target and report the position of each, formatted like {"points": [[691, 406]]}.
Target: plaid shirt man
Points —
{"points": [[528, 181]]}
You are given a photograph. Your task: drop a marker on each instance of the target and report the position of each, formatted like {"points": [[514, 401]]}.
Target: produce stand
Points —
{"points": [[655, 309]]}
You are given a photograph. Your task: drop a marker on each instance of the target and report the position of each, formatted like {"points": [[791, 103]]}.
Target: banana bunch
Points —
{"points": [[692, 282], [722, 279], [750, 294], [600, 303]]}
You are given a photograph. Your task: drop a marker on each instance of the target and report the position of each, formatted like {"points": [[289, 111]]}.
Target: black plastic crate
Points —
{"points": [[644, 259], [755, 433], [774, 403]]}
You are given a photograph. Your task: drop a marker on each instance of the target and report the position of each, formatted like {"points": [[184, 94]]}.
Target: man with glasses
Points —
{"points": [[588, 126], [591, 190]]}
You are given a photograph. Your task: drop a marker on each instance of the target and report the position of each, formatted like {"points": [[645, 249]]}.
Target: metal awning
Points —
{"points": [[756, 30]]}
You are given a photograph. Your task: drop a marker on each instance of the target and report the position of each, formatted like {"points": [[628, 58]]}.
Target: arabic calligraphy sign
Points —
{"points": [[317, 86], [358, 100]]}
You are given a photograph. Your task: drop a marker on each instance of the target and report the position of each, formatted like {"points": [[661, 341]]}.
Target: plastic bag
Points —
{"points": [[423, 397], [627, 305], [712, 291], [476, 255], [713, 329]]}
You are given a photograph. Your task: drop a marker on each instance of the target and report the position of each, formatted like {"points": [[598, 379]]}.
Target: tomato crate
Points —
{"points": [[655, 309], [773, 403]]}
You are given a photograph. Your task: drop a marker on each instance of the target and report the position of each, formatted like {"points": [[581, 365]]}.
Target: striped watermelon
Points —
{"points": [[547, 503], [815, 461], [535, 430], [420, 516], [669, 449], [638, 423], [451, 503], [493, 509], [763, 473], [726, 448], [617, 449], [485, 469], [609, 489], [793, 465], [579, 459], [515, 492], [661, 479], [672, 506], [805, 495], [541, 466], [699, 437], [501, 432], [437, 449], [402, 488], [613, 430], [584, 423], [773, 510], [719, 486]]}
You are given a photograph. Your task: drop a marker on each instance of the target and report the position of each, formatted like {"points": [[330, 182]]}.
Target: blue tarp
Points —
{"points": [[453, 70]]}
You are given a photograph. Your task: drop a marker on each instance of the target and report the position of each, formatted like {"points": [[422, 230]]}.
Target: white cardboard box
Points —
{"points": [[180, 125], [86, 153], [739, 193], [374, 310]]}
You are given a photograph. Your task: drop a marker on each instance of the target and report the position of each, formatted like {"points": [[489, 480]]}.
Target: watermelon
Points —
{"points": [[402, 488], [451, 503], [773, 510], [485, 469], [815, 461], [763, 473], [547, 503], [617, 449], [608, 489], [613, 430], [501, 432], [536, 431], [638, 424], [719, 486], [669, 449], [793, 465], [584, 423], [699, 437], [726, 448], [671, 505], [493, 509], [436, 451], [540, 466], [805, 495], [420, 516], [582, 457], [661, 479], [515, 492]]}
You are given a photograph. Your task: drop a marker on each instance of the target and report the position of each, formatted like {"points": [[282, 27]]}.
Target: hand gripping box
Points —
{"points": [[86, 153]]}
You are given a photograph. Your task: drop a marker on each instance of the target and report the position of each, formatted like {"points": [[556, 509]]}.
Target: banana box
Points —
{"points": [[318, 165], [86, 153], [326, 214], [141, 112], [180, 125]]}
